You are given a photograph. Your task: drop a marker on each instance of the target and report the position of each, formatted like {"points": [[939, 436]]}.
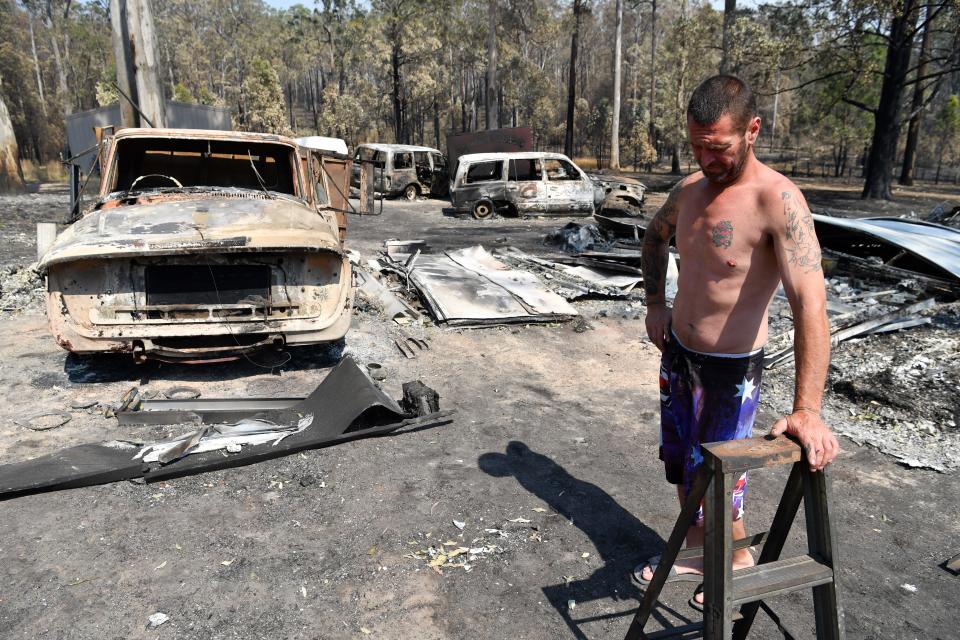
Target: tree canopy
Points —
{"points": [[837, 81]]}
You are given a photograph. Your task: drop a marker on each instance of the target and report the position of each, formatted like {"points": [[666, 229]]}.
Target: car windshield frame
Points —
{"points": [[284, 156]]}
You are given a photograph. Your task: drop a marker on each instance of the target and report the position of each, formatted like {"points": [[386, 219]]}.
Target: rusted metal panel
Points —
{"points": [[509, 140]]}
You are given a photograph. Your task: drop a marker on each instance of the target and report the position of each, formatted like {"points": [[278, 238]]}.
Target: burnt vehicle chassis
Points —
{"points": [[523, 184], [423, 170], [200, 273]]}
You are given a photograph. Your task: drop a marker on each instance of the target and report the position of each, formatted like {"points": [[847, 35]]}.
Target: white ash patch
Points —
{"points": [[22, 288]]}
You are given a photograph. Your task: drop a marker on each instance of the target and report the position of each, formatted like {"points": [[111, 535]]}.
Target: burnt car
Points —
{"points": [[203, 246], [403, 170], [523, 183], [624, 188]]}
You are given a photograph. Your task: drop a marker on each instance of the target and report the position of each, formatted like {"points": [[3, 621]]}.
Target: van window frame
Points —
{"points": [[396, 155], [539, 166], [575, 175], [495, 177]]}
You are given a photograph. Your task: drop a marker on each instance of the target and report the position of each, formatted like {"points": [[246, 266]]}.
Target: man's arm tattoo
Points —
{"points": [[656, 246], [801, 239], [656, 243], [654, 277]]}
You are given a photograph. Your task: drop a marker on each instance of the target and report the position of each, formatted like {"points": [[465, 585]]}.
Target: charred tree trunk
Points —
{"points": [[615, 125], [729, 16], [572, 85], [886, 127], [679, 95], [395, 93], [490, 97], [653, 73], [916, 109], [436, 122], [290, 114]]}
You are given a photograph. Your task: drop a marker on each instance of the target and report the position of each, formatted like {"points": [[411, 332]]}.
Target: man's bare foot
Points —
{"points": [[692, 566], [742, 558]]}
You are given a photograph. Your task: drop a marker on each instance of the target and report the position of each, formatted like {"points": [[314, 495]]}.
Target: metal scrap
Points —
{"points": [[471, 288], [838, 334], [410, 346], [346, 406], [900, 247], [393, 308]]}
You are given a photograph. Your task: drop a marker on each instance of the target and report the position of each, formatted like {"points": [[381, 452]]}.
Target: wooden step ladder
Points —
{"points": [[732, 598]]}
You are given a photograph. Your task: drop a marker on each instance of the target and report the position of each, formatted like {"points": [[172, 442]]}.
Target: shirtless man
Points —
{"points": [[741, 228]]}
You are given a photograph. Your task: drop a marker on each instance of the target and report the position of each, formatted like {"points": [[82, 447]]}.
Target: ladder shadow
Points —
{"points": [[621, 539]]}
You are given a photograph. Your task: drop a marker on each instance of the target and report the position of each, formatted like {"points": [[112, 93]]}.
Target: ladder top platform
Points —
{"points": [[752, 453]]}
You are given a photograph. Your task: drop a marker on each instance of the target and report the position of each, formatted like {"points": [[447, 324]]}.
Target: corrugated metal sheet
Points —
{"points": [[180, 115], [471, 288], [923, 247]]}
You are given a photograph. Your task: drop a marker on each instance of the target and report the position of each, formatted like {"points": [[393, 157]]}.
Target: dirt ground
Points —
{"points": [[553, 426]]}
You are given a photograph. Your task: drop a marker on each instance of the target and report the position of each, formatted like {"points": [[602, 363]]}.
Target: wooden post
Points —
{"points": [[138, 75], [124, 57], [718, 554]]}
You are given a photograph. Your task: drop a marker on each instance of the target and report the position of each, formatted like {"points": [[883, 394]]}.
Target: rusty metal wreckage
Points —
{"points": [[202, 246]]}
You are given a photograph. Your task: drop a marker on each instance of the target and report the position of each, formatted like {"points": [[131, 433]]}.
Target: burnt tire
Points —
{"points": [[483, 209], [410, 192]]}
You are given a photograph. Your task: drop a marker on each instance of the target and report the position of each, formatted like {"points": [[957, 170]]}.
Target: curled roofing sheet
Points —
{"points": [[471, 288], [926, 248]]}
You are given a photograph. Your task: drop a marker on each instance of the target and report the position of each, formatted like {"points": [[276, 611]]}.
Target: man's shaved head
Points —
{"points": [[721, 95]]}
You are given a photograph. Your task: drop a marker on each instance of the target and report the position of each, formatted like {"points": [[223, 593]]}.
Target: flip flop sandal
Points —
{"points": [[693, 599], [673, 576]]}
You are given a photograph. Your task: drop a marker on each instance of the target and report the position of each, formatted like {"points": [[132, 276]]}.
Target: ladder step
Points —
{"points": [[755, 540], [780, 577]]}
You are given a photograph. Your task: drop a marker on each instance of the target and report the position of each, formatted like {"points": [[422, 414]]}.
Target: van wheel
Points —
{"points": [[411, 192], [483, 209]]}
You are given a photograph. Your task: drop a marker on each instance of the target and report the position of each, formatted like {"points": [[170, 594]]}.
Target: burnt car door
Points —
{"points": [[567, 188], [403, 173], [421, 164], [379, 161], [329, 185], [440, 179], [525, 189], [480, 181]]}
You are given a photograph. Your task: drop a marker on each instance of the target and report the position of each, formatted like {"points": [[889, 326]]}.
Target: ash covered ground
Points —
{"points": [[550, 466]]}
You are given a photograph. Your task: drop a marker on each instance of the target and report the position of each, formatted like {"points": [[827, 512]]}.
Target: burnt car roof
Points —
{"points": [[383, 146], [514, 155], [203, 134]]}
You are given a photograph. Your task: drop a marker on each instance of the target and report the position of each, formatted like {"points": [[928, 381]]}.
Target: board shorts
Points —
{"points": [[705, 397]]}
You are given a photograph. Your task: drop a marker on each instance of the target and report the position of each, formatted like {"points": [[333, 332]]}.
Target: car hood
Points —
{"points": [[199, 225]]}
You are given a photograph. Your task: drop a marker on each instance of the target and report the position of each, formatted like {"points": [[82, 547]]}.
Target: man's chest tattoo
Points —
{"points": [[723, 234]]}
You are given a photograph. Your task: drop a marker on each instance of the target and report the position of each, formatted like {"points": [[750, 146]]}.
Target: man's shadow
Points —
{"points": [[619, 537]]}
